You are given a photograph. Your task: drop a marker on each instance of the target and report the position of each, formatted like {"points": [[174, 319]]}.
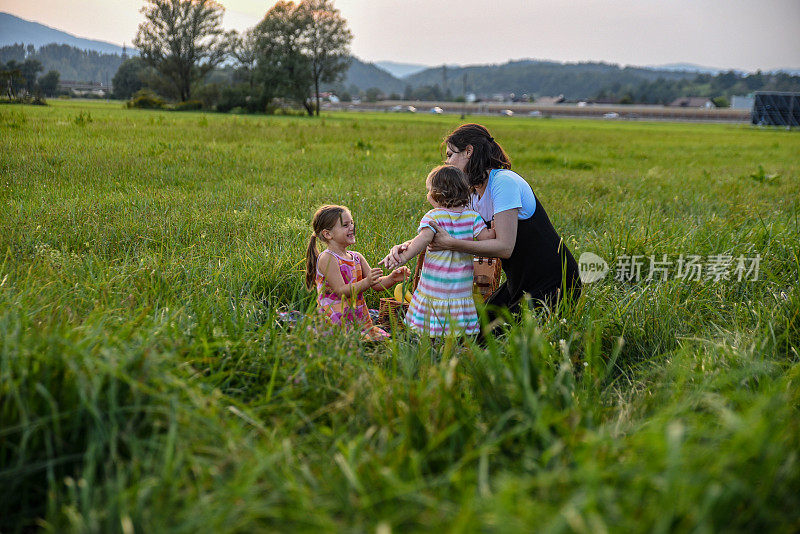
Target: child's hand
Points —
{"points": [[388, 262], [373, 275], [398, 275]]}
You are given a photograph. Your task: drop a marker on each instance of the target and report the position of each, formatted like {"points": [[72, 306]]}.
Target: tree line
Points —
{"points": [[20, 78], [299, 50], [185, 55], [527, 80], [719, 88]]}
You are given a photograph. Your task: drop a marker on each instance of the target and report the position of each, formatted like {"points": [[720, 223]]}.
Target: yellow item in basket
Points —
{"points": [[401, 294]]}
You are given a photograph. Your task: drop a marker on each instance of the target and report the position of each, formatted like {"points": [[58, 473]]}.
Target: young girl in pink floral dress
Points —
{"points": [[342, 276]]}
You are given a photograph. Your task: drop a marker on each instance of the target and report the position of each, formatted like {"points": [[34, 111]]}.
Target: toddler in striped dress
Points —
{"points": [[443, 302]]}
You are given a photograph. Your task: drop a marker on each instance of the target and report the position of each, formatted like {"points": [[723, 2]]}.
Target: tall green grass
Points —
{"points": [[146, 383]]}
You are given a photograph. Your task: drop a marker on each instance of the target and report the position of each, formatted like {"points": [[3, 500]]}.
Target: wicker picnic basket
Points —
{"points": [[392, 311], [486, 280]]}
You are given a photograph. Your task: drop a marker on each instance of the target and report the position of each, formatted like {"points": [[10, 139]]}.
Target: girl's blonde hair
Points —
{"points": [[325, 218], [449, 186]]}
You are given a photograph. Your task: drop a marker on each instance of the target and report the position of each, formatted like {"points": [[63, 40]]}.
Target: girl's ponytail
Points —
{"points": [[312, 254], [325, 218]]}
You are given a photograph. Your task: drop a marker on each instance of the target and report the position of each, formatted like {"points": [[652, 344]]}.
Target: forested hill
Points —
{"points": [[70, 62], [91, 66], [366, 75], [540, 78]]}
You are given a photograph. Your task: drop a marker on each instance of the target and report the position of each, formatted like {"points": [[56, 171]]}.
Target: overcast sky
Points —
{"points": [[742, 34]]}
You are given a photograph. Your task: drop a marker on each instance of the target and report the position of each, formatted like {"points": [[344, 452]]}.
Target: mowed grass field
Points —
{"points": [[147, 384]]}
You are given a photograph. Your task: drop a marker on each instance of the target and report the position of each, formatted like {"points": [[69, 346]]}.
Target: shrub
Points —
{"points": [[189, 105], [146, 99], [721, 102], [241, 96], [208, 94]]}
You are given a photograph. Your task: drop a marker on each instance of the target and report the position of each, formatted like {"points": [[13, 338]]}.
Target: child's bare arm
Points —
{"points": [[330, 270], [415, 246], [384, 282], [392, 279], [486, 233]]}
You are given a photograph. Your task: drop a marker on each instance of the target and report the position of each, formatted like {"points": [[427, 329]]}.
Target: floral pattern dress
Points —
{"points": [[343, 311]]}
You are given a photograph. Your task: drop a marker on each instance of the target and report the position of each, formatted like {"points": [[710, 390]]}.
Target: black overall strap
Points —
{"points": [[538, 265]]}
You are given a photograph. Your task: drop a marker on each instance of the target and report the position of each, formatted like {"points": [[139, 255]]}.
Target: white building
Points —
{"points": [[742, 102]]}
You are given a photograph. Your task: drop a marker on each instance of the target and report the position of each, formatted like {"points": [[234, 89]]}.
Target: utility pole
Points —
{"points": [[464, 94], [444, 81]]}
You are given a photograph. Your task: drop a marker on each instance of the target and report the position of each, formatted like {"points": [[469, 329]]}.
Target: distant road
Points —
{"points": [[589, 111]]}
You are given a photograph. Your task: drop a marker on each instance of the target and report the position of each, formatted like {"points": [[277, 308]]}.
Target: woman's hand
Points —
{"points": [[441, 239]]}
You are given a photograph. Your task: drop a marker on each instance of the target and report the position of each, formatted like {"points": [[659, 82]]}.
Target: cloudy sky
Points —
{"points": [[742, 34]]}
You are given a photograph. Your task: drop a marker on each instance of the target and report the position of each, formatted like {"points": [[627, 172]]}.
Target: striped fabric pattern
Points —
{"points": [[442, 302]]}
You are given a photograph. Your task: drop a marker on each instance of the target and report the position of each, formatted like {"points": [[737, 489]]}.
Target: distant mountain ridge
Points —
{"points": [[15, 30], [366, 75]]}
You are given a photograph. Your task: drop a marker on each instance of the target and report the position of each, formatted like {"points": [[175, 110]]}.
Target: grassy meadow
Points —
{"points": [[147, 384]]}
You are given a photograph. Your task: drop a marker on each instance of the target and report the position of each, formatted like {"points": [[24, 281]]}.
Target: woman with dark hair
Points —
{"points": [[535, 259]]}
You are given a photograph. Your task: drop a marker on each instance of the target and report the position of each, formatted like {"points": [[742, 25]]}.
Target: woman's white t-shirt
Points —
{"points": [[505, 190]]}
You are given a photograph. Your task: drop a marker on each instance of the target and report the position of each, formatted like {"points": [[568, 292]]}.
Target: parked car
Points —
{"points": [[436, 110], [507, 112], [612, 115], [535, 113], [397, 108], [410, 109]]}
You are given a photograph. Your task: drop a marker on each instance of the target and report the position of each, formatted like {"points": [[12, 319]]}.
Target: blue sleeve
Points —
{"points": [[505, 194]]}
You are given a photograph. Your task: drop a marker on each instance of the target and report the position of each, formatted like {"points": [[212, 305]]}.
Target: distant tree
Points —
{"points": [[754, 81], [281, 67], [724, 80], [374, 94], [627, 98], [30, 70], [129, 77], [11, 78], [244, 49], [49, 83], [327, 42], [426, 92], [79, 65], [15, 52], [182, 40], [299, 47]]}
